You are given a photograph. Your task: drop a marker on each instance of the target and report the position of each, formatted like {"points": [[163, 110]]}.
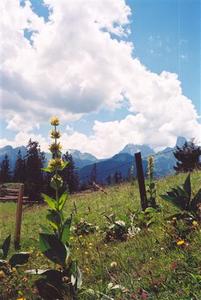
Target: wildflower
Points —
{"points": [[54, 121], [55, 134], [55, 163], [113, 264], [2, 275], [195, 223], [90, 244], [86, 253], [56, 181], [55, 147], [180, 242]]}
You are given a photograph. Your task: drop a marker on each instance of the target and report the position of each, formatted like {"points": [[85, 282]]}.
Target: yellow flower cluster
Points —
{"points": [[54, 147], [54, 121], [180, 242], [55, 134], [55, 163], [195, 223]]}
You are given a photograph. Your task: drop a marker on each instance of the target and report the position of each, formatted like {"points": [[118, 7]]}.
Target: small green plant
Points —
{"points": [[144, 219], [151, 186], [63, 281], [84, 228], [15, 260], [179, 229], [181, 196], [117, 230], [9, 273]]}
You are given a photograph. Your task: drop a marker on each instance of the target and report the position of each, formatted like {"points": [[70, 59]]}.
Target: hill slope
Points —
{"points": [[150, 265]]}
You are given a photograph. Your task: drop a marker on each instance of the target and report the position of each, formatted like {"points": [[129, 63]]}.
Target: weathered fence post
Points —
{"points": [[140, 176], [18, 217]]}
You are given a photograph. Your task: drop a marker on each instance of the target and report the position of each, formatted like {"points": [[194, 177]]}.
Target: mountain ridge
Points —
{"points": [[164, 160]]}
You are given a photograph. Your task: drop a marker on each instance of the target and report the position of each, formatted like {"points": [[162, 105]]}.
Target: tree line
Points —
{"points": [[28, 170]]}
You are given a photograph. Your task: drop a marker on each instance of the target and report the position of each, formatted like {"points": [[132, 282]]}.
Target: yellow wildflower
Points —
{"points": [[180, 242], [54, 121], [55, 163], [195, 223], [55, 147], [113, 264], [55, 134], [2, 275]]}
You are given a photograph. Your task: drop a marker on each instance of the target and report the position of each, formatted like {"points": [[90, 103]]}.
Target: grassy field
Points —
{"points": [[150, 265]]}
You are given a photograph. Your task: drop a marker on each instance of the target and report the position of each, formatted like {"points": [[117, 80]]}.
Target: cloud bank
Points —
{"points": [[81, 61]]}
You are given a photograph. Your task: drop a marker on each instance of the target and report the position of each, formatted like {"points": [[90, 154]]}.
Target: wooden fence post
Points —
{"points": [[140, 176], [18, 217]]}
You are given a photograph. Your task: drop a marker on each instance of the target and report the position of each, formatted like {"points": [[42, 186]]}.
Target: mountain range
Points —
{"points": [[164, 161]]}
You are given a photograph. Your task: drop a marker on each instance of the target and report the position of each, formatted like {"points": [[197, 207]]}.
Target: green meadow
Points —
{"points": [[152, 264]]}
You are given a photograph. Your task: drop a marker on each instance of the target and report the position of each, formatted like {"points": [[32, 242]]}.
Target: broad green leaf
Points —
{"points": [[187, 186], [64, 165], [53, 276], [66, 230], [150, 210], [43, 243], [166, 197], [54, 218], [6, 246], [45, 229], [62, 200], [48, 170], [50, 201], [48, 290], [53, 248], [19, 259], [195, 201], [187, 189], [178, 196]]}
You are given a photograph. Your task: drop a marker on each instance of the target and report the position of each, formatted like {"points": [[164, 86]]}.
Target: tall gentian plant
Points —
{"points": [[64, 280]]}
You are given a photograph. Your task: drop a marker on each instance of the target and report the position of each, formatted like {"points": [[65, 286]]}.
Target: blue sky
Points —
{"points": [[165, 36]]}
